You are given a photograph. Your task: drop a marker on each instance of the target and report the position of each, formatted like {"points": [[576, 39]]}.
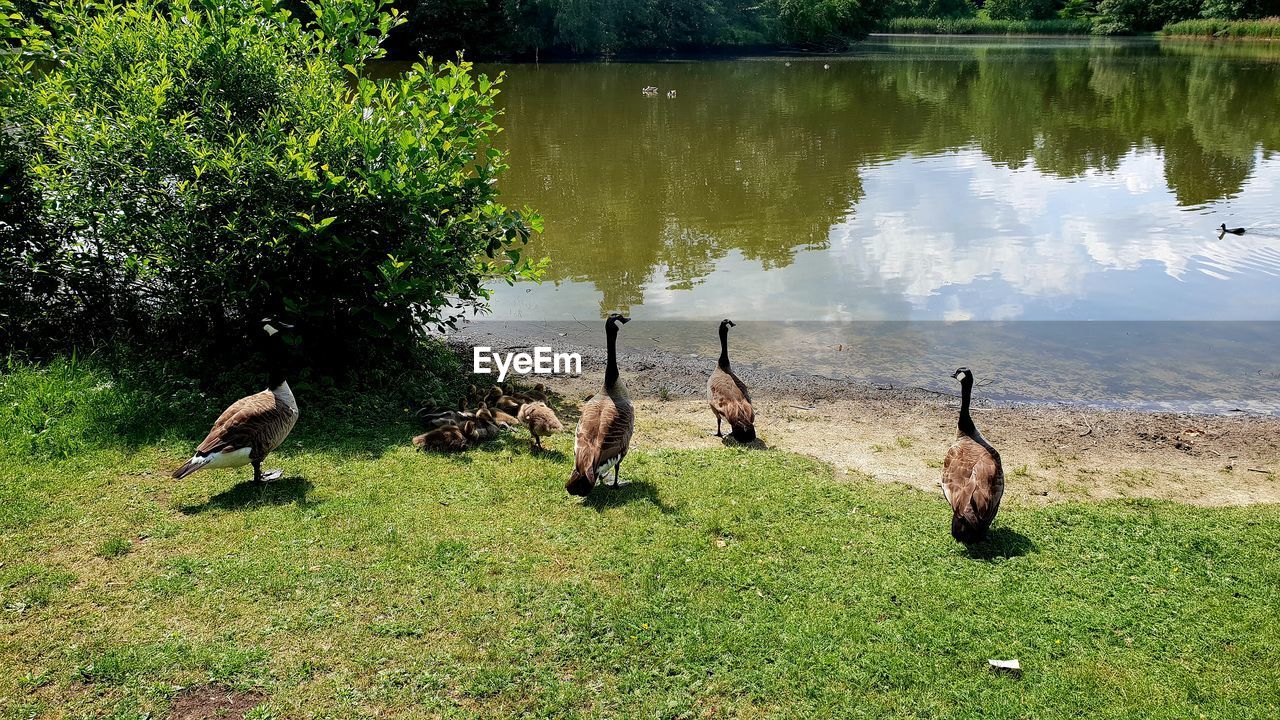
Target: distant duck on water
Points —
{"points": [[671, 93], [649, 90], [1223, 230]]}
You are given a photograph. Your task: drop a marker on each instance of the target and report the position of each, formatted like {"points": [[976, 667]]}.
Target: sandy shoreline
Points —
{"points": [[894, 434]]}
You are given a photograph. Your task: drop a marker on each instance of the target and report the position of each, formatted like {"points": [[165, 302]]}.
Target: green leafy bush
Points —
{"points": [[825, 23], [1126, 16], [533, 28], [932, 9], [1020, 9], [197, 167]]}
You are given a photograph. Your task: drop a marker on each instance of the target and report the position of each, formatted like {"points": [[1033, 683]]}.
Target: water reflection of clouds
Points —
{"points": [[1040, 236], [957, 236]]}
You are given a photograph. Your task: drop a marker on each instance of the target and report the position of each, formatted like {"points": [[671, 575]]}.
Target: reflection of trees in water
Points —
{"points": [[763, 159]]}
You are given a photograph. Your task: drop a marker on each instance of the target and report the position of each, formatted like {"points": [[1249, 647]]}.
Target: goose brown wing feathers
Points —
{"points": [[973, 482], [604, 433], [259, 421], [730, 399]]}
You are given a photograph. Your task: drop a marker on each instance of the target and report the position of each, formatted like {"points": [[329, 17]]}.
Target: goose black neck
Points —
{"points": [[611, 368], [724, 347], [966, 420], [276, 362]]}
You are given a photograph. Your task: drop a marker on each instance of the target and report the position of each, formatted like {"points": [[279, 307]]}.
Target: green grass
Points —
{"points": [[1264, 29], [985, 26], [373, 581]]}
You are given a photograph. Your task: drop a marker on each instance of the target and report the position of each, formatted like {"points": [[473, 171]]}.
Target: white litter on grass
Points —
{"points": [[1009, 666]]}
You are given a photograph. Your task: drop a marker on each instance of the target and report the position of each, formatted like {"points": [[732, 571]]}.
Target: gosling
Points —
{"points": [[540, 419]]}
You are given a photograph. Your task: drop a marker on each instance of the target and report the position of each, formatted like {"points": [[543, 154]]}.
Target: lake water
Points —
{"points": [[925, 180], [922, 179]]}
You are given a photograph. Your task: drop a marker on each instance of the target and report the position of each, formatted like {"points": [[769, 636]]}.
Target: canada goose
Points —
{"points": [[604, 430], [649, 90], [539, 393], [728, 396], [450, 438], [540, 419], [1223, 230], [253, 426], [671, 93], [972, 477], [494, 393]]}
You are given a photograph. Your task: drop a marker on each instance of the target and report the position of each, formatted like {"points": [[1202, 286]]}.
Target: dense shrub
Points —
{"points": [[532, 28], [932, 9], [200, 167], [1020, 9], [1240, 9], [1125, 16]]}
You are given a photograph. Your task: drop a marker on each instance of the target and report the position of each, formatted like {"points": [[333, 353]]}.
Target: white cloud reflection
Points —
{"points": [[957, 236]]}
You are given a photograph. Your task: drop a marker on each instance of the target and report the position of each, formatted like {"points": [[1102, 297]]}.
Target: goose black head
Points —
{"points": [[1223, 227], [614, 319], [727, 323], [964, 375], [579, 484]]}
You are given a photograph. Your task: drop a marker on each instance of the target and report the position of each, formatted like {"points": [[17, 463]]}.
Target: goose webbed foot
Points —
{"points": [[270, 476]]}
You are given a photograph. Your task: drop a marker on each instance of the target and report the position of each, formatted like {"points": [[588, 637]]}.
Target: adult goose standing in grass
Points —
{"points": [[972, 477], [255, 425], [604, 430], [728, 395]]}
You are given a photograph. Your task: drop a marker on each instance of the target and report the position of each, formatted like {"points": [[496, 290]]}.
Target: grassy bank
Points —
{"points": [[984, 26], [1264, 29], [376, 581]]}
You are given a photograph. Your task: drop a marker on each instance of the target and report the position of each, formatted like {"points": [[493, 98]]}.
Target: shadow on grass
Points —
{"points": [[756, 444], [549, 454], [250, 494], [605, 496], [1001, 543]]}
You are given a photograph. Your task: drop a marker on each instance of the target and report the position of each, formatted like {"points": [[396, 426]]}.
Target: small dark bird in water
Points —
{"points": [[1223, 230]]}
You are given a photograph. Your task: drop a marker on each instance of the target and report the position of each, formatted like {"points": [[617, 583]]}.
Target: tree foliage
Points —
{"points": [[1021, 9], [605, 27], [193, 168]]}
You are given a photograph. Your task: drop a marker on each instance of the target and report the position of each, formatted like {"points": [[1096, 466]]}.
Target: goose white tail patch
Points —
{"points": [[229, 459]]}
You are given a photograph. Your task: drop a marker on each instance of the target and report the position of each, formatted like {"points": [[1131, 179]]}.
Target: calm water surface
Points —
{"points": [[914, 179]]}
